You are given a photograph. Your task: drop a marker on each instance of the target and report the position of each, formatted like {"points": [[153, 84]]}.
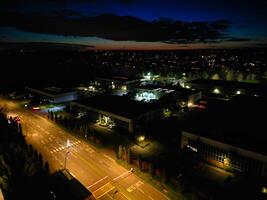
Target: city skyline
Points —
{"points": [[134, 24]]}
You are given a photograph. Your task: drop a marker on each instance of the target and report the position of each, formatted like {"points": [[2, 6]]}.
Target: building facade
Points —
{"points": [[56, 95], [225, 155]]}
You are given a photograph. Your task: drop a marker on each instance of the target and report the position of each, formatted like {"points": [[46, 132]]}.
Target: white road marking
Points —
{"points": [[124, 195], [121, 175], [109, 158], [97, 182], [141, 190]]}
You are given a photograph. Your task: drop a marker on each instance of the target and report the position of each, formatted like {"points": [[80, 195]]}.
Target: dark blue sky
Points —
{"points": [[142, 24]]}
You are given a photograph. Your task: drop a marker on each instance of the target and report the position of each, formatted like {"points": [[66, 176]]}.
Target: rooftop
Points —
{"points": [[118, 78], [253, 87], [52, 90], [119, 105], [237, 122], [65, 186]]}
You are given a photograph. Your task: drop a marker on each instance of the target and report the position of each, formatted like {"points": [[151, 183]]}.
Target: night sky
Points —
{"points": [[136, 24]]}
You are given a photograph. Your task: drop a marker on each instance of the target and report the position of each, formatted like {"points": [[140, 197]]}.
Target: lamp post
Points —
{"points": [[65, 160]]}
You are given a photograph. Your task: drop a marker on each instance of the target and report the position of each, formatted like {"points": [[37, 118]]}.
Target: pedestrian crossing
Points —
{"points": [[65, 147]]}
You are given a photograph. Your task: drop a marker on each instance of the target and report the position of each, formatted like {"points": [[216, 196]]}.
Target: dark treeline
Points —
{"points": [[23, 173]]}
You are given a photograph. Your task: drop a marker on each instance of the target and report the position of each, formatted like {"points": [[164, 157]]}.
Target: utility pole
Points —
{"points": [[67, 153]]}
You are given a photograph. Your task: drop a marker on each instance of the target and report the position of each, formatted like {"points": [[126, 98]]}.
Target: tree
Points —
{"points": [[151, 169], [129, 156], [47, 167], [35, 154], [52, 115], [30, 149], [119, 152], [139, 162], [40, 158], [164, 176], [60, 119], [20, 128]]}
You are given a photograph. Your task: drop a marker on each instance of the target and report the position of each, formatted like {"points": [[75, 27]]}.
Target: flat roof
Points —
{"points": [[67, 187], [239, 122], [118, 78], [52, 90], [119, 105], [257, 87], [177, 89]]}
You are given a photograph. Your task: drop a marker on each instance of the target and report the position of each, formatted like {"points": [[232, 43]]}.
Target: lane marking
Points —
{"points": [[131, 188], [122, 175], [108, 157], [97, 182], [124, 196], [109, 187], [141, 190]]}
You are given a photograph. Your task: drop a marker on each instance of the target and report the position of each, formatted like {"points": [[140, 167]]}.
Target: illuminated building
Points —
{"points": [[117, 82], [181, 96], [227, 88], [55, 94], [223, 155], [119, 112]]}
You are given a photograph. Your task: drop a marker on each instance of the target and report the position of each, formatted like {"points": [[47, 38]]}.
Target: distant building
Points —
{"points": [[181, 96], [118, 82], [119, 112], [227, 88], [187, 97], [224, 155], [65, 186], [54, 94]]}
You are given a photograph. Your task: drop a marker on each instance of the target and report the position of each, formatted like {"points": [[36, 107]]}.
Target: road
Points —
{"points": [[93, 167]]}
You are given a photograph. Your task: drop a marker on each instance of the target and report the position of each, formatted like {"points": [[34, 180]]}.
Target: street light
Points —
{"points": [[141, 138], [216, 91], [67, 153]]}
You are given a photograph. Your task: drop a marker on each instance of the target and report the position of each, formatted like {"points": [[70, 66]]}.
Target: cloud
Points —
{"points": [[238, 39], [120, 28], [125, 1]]}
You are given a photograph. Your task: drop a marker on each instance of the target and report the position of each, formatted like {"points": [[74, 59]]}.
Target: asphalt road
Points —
{"points": [[93, 167]]}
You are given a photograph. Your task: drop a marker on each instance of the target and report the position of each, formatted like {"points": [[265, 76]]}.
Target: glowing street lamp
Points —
{"points": [[67, 153], [238, 92], [216, 91], [190, 104], [226, 162], [141, 138]]}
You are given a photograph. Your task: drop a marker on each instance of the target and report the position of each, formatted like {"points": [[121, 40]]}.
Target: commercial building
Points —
{"points": [[119, 112], [181, 96], [227, 88], [54, 94], [118, 82], [249, 159]]}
